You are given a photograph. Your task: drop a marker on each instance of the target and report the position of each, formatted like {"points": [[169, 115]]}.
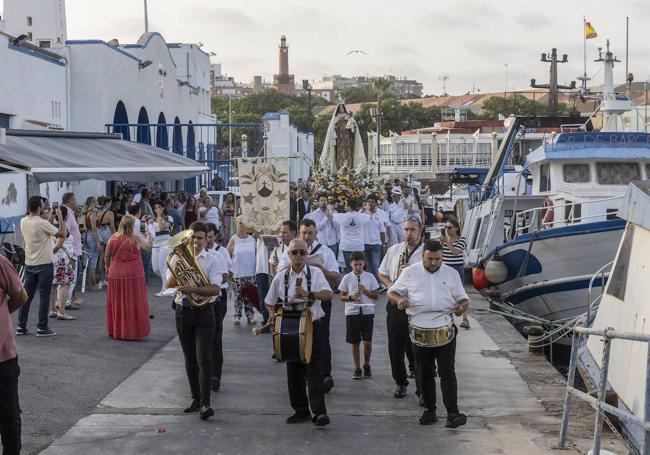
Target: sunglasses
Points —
{"points": [[298, 252]]}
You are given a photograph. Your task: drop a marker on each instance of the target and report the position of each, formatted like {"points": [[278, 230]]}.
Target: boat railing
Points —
{"points": [[539, 218], [590, 301], [598, 402]]}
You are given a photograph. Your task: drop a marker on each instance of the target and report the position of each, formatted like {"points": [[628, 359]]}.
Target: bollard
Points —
{"points": [[534, 333]]}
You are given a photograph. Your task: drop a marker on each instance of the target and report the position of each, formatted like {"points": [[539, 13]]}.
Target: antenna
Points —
{"points": [[553, 86], [444, 78], [146, 17]]}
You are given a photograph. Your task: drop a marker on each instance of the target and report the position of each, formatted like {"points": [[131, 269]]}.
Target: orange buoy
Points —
{"points": [[479, 280], [547, 213]]}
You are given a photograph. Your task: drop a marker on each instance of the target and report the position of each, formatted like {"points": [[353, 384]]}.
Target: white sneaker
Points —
{"points": [[160, 294]]}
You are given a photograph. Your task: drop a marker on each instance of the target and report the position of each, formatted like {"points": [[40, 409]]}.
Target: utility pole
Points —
{"points": [[553, 86], [307, 86], [146, 18], [444, 78]]}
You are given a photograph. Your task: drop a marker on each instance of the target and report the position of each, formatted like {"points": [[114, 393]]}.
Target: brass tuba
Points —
{"points": [[187, 271]]}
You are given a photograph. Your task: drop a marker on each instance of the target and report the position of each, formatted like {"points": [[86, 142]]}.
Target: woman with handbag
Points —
{"points": [[64, 264]]}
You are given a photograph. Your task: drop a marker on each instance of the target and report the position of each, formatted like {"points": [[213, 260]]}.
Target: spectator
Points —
{"points": [[304, 204], [142, 229], [64, 271], [190, 212], [145, 202], [106, 228], [138, 195], [70, 202], [293, 206], [39, 271], [163, 232], [241, 247], [453, 249], [228, 213], [375, 238], [92, 239], [210, 214], [12, 297], [118, 207], [127, 308], [176, 216]]}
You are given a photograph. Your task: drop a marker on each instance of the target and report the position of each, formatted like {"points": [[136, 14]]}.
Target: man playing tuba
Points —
{"points": [[194, 305]]}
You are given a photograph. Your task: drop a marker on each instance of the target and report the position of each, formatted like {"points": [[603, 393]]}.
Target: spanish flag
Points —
{"points": [[590, 31]]}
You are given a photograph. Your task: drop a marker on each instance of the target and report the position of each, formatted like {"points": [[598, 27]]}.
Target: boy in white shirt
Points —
{"points": [[358, 290]]}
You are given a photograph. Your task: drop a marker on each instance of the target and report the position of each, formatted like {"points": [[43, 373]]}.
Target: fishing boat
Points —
{"points": [[534, 255]]}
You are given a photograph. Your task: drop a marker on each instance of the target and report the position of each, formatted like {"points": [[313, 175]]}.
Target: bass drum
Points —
{"points": [[292, 336], [431, 329]]}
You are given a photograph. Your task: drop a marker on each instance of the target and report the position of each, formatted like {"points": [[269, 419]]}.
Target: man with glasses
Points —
{"points": [[323, 258], [397, 258], [313, 287], [196, 326]]}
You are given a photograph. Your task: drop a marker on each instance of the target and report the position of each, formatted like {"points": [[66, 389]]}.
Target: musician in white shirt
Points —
{"points": [[433, 286], [397, 213], [283, 289], [323, 258], [399, 344], [327, 230], [288, 232]]}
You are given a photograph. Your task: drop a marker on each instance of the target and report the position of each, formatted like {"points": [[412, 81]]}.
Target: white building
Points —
{"points": [[284, 141], [43, 21]]}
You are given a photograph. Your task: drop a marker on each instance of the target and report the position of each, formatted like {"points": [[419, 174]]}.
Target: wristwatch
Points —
{"points": [[310, 296]]}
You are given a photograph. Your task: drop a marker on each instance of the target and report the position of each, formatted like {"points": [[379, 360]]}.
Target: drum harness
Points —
{"points": [[286, 285]]}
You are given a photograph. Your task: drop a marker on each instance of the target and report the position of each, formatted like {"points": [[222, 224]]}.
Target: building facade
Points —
{"points": [[285, 141]]}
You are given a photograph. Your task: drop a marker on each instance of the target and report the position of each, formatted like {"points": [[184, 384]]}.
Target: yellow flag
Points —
{"points": [[590, 31]]}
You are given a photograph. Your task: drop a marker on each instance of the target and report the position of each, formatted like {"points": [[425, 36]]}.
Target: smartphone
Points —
{"points": [[143, 227], [443, 232], [55, 205]]}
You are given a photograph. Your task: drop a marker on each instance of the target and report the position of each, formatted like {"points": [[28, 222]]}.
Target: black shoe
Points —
{"points": [[400, 391], [367, 372], [357, 374], [321, 420], [215, 385], [47, 332], [194, 406], [428, 418], [299, 418], [328, 383], [206, 412], [411, 373], [455, 421], [21, 331]]}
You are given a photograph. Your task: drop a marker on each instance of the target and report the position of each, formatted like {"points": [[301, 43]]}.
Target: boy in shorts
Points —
{"points": [[359, 290]]}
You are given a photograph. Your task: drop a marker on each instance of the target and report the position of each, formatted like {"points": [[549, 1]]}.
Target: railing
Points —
{"points": [[590, 301], [532, 220], [608, 334]]}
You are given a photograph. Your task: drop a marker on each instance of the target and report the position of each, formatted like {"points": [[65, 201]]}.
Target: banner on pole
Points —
{"points": [[264, 189]]}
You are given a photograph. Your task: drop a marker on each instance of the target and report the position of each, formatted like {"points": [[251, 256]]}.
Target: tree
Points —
{"points": [[517, 105]]}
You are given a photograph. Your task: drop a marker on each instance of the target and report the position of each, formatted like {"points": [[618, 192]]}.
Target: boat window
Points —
{"points": [[476, 231], [572, 212], [576, 173], [647, 171], [545, 177], [483, 231], [617, 173], [618, 278]]}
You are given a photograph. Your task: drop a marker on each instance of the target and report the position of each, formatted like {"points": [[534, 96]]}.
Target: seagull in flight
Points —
{"points": [[356, 51]]}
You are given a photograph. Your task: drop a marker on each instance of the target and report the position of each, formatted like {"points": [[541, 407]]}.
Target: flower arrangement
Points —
{"points": [[348, 183]]}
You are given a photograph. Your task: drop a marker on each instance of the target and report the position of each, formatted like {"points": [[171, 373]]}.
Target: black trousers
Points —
{"points": [[426, 360], [399, 343], [326, 367], [301, 376], [10, 422], [220, 309], [196, 333]]}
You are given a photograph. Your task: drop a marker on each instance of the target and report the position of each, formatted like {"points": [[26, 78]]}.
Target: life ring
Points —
{"points": [[547, 213]]}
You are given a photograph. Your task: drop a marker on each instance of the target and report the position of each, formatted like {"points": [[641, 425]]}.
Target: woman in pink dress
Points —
{"points": [[127, 308]]}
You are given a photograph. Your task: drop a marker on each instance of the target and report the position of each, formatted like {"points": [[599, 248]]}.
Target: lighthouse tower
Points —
{"points": [[42, 21], [284, 82]]}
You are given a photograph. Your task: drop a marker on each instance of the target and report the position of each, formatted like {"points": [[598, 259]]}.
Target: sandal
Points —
{"points": [[64, 317], [53, 314], [465, 324]]}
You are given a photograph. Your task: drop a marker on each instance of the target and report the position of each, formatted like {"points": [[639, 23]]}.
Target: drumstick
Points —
{"points": [[441, 315]]}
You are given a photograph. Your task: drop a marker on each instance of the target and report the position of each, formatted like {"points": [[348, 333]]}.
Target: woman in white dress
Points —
{"points": [[241, 247], [163, 225]]}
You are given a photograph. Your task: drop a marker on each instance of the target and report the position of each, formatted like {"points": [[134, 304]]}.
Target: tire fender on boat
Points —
{"points": [[547, 213]]}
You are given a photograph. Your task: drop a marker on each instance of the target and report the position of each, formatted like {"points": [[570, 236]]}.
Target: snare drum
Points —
{"points": [[293, 335], [431, 329]]}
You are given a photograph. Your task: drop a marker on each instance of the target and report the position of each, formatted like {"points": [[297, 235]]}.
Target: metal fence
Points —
{"points": [[216, 145]]}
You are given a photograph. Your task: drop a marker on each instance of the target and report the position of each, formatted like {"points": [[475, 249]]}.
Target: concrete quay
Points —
{"points": [[512, 398]]}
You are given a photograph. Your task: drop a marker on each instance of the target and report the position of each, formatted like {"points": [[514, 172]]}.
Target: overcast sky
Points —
{"points": [[468, 40]]}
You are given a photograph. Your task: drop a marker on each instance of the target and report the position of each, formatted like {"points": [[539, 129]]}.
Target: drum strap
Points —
{"points": [[286, 283], [315, 249]]}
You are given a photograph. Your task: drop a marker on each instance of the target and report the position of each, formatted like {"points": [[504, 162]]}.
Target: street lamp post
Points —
{"points": [[376, 114], [307, 86], [244, 145]]}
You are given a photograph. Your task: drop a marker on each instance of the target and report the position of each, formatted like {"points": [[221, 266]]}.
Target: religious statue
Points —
{"points": [[342, 144]]}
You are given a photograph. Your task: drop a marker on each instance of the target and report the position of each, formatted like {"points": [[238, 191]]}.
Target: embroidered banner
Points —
{"points": [[264, 189]]}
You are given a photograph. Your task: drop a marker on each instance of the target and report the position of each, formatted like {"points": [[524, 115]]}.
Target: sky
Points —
{"points": [[468, 41]]}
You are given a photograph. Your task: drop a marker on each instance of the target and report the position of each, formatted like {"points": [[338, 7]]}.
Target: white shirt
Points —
{"points": [[438, 291], [318, 283], [223, 253], [350, 284], [390, 263], [243, 258], [397, 213], [149, 227], [212, 216], [262, 258], [324, 255], [212, 266], [373, 229], [278, 251], [352, 227], [137, 198], [327, 231]]}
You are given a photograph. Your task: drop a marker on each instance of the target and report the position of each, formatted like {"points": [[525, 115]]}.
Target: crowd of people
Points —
{"points": [[358, 250]]}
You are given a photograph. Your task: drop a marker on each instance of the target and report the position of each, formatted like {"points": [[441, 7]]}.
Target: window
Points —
{"points": [[647, 171], [46, 44], [4, 121], [572, 212], [617, 173], [618, 278], [576, 173], [545, 177], [29, 36], [29, 21]]}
